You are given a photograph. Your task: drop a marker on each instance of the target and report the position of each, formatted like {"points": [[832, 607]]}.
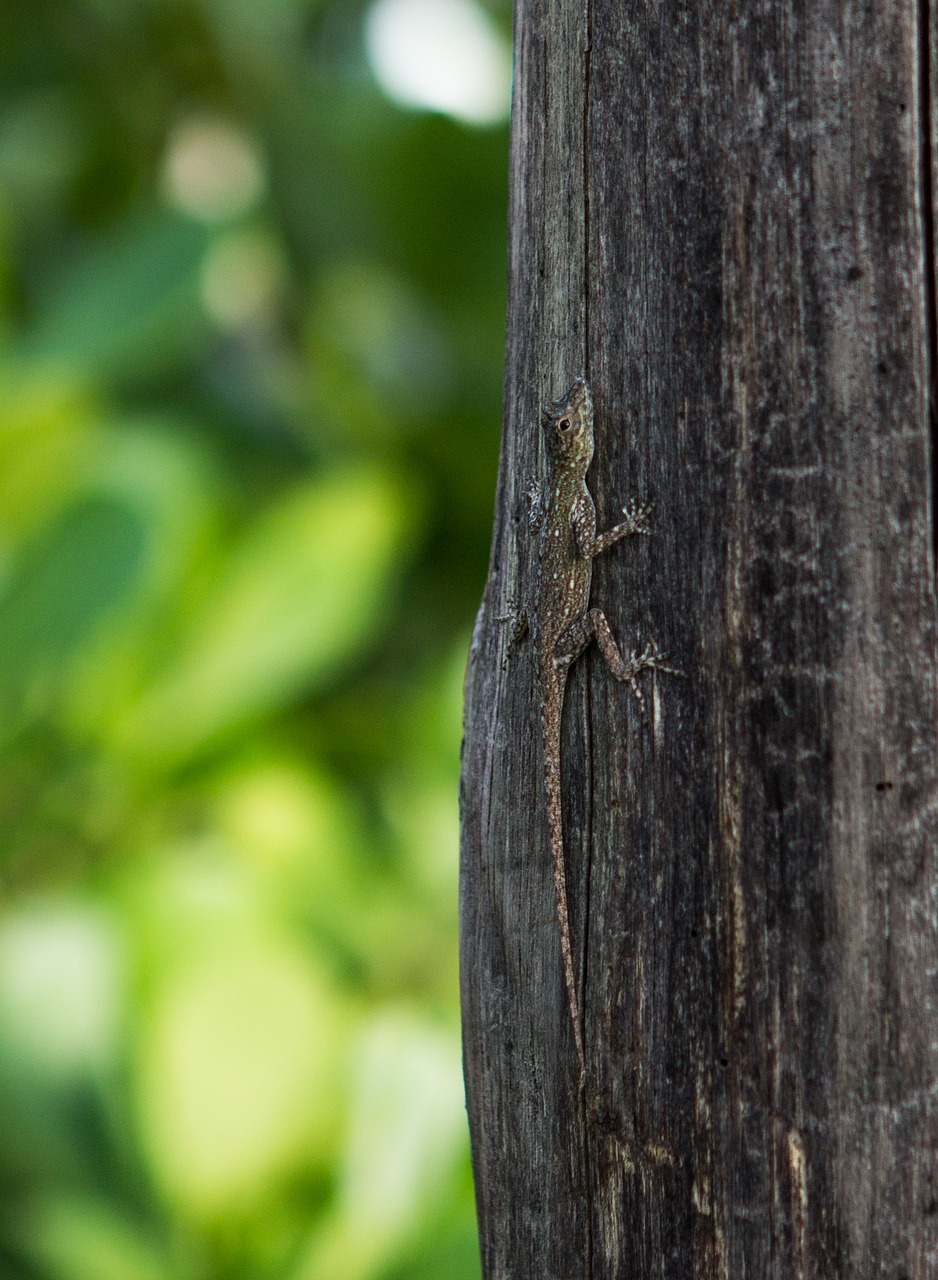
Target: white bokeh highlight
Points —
{"points": [[441, 55], [61, 986], [212, 170]]}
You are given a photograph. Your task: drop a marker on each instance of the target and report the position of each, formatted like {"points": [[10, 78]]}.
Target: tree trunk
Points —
{"points": [[722, 215]]}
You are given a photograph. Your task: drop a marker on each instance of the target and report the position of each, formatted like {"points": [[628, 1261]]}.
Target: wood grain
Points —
{"points": [[721, 213]]}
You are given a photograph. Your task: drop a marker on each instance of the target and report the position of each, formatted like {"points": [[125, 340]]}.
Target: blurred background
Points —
{"points": [[252, 270]]}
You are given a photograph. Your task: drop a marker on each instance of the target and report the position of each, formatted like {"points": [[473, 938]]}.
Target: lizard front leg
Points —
{"points": [[591, 544]]}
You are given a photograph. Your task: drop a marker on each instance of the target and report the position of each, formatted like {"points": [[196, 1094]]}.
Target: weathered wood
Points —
{"points": [[721, 213]]}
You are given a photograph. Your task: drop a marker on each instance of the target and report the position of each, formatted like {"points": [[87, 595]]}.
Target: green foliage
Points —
{"points": [[250, 351]]}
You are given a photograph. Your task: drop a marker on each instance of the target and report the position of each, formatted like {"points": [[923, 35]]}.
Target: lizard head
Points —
{"points": [[569, 425]]}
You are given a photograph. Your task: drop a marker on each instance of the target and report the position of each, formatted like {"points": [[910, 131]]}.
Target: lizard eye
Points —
{"points": [[564, 424]]}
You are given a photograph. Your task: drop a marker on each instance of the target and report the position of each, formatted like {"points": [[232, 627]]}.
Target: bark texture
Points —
{"points": [[721, 214]]}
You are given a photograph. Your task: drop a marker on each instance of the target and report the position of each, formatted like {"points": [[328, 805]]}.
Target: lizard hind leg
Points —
{"points": [[594, 626]]}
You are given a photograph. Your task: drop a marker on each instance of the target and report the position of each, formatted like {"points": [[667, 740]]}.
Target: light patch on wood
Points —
{"points": [[799, 1200], [731, 831], [700, 1194]]}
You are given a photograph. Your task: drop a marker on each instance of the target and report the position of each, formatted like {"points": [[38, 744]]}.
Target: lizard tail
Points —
{"points": [[551, 725]]}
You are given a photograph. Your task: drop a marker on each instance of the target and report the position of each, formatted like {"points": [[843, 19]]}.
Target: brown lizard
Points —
{"points": [[561, 623]]}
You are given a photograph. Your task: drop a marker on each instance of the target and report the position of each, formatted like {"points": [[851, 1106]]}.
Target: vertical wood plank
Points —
{"points": [[722, 214]]}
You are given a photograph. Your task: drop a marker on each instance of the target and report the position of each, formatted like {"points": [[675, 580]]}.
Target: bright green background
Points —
{"points": [[247, 464]]}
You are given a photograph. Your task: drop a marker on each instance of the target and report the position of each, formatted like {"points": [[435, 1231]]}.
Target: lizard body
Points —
{"points": [[562, 624]]}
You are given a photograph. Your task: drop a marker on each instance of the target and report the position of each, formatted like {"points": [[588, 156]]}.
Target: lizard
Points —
{"points": [[561, 623]]}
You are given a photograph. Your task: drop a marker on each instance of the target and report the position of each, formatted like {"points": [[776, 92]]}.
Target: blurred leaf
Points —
{"points": [[294, 827], [45, 427], [61, 988], [171, 484], [79, 1239], [40, 145], [302, 593], [211, 435], [128, 306], [452, 1252], [185, 897], [156, 464], [298, 830], [379, 352], [275, 26], [238, 1073], [76, 575], [425, 816], [283, 816], [406, 1140]]}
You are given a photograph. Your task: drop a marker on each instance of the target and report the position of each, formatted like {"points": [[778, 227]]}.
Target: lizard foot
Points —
{"points": [[649, 659], [636, 518]]}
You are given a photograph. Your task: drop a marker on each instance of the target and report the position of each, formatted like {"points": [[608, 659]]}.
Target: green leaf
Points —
{"points": [[46, 427], [154, 467], [61, 979], [75, 1238], [65, 587], [407, 1140], [127, 306], [238, 1072], [301, 595]]}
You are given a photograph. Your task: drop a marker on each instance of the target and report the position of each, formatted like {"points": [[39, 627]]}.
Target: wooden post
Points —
{"points": [[721, 213]]}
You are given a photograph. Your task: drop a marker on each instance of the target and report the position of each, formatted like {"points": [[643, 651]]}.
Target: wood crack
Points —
{"points": [[587, 286], [926, 162]]}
